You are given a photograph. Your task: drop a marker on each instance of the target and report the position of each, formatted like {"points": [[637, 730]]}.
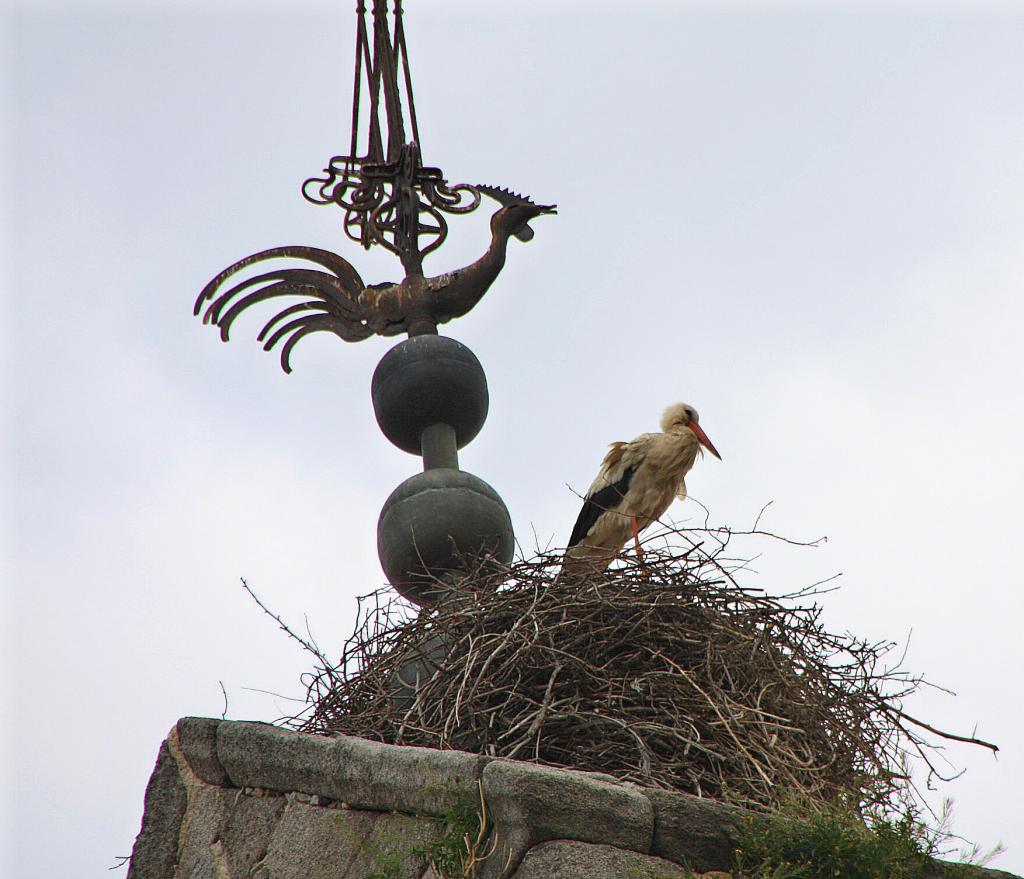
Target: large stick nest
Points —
{"points": [[664, 672]]}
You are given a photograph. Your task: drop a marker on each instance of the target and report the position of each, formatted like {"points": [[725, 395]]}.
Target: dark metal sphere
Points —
{"points": [[433, 522], [427, 657], [429, 380]]}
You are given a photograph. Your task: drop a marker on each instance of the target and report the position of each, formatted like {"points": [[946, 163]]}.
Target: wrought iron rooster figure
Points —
{"points": [[341, 303], [389, 198]]}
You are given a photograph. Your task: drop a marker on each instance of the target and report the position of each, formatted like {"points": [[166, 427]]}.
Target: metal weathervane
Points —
{"points": [[429, 392]]}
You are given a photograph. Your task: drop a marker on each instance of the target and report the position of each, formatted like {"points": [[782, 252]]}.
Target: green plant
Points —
{"points": [[456, 852], [837, 842], [463, 830]]}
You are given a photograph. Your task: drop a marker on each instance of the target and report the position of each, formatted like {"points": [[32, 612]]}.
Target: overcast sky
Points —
{"points": [[804, 219]]}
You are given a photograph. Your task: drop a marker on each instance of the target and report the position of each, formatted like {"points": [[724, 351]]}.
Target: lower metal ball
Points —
{"points": [[433, 524]]}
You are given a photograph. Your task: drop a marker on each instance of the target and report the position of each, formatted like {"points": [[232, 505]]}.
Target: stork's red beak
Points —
{"points": [[703, 437]]}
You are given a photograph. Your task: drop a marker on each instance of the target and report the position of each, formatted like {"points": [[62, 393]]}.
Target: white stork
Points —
{"points": [[635, 485]]}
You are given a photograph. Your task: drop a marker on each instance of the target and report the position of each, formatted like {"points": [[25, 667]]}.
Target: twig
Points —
{"points": [[970, 740], [306, 645]]}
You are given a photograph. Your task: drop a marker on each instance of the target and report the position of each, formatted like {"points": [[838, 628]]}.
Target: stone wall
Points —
{"points": [[230, 800]]}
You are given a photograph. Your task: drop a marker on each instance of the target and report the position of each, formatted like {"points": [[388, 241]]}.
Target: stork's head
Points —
{"points": [[681, 416], [516, 212]]}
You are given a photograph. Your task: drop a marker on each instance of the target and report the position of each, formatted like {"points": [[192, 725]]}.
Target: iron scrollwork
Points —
{"points": [[385, 202]]}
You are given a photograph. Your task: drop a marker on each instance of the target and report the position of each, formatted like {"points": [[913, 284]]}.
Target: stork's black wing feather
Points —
{"points": [[599, 502]]}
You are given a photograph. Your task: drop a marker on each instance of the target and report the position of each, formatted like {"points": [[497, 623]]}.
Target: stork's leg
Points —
{"points": [[636, 538]]}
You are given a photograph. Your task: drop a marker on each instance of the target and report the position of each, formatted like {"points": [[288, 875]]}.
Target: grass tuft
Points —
{"points": [[835, 842]]}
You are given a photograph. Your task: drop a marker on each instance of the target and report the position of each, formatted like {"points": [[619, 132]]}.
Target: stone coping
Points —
{"points": [[206, 765]]}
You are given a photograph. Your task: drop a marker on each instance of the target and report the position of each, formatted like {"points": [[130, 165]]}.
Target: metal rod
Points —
{"points": [[403, 49], [358, 87], [437, 443]]}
